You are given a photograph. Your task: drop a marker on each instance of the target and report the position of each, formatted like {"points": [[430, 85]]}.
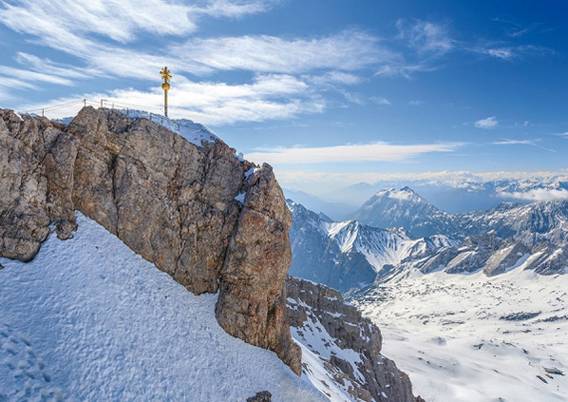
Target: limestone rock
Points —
{"points": [[255, 271], [36, 156], [382, 380]]}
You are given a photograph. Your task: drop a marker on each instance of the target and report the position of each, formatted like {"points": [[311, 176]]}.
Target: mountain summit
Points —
{"points": [[405, 208]]}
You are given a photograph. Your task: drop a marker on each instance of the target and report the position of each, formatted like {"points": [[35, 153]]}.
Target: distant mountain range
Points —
{"points": [[397, 231], [454, 192]]}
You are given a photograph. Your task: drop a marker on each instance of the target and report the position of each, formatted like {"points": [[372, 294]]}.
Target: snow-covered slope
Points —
{"points": [[88, 319], [348, 254], [404, 208], [474, 338]]}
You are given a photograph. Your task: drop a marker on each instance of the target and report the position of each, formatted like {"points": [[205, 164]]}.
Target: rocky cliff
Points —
{"points": [[347, 344], [210, 220]]}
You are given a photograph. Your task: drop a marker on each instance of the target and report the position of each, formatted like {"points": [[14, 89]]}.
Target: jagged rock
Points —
{"points": [[263, 396], [255, 267], [505, 259], [171, 201], [36, 157], [309, 303]]}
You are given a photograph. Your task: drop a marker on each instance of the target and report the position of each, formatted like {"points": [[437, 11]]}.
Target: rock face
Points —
{"points": [[319, 310], [169, 200]]}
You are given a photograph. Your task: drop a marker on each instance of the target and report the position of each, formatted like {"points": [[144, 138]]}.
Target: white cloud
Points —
{"points": [[379, 151], [379, 100], [233, 9], [508, 52], [346, 51], [532, 143], [325, 182], [515, 142], [28, 75], [47, 66], [334, 77], [404, 70], [55, 22], [500, 53], [214, 103], [487, 123], [425, 36], [537, 195]]}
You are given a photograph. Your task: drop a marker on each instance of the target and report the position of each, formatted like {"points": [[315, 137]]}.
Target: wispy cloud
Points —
{"points": [[376, 152], [509, 52], [232, 8], [537, 195], [515, 142], [487, 123], [47, 66], [379, 100], [273, 96], [425, 36], [426, 42], [347, 51], [54, 23], [533, 143], [33, 76]]}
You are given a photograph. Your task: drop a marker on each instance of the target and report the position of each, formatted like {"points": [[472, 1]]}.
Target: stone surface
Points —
{"points": [[263, 396], [169, 200], [255, 267], [382, 380], [36, 157]]}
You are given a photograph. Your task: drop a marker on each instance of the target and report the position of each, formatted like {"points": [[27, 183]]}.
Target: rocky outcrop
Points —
{"points": [[36, 167], [339, 328], [173, 202]]}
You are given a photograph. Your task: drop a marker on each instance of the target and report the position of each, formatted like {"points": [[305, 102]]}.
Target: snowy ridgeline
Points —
{"points": [[88, 319], [193, 132], [470, 338]]}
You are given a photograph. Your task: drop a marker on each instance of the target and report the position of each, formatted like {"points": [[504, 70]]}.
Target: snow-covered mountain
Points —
{"points": [[348, 254], [405, 208]]}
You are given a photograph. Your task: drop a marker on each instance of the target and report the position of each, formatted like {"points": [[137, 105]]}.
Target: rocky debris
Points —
{"points": [[553, 371], [370, 376], [263, 396], [522, 316], [171, 201]]}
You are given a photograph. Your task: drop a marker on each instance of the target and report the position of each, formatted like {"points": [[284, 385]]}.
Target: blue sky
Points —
{"points": [[330, 92]]}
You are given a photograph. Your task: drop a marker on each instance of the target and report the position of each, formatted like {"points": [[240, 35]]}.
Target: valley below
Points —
{"points": [[473, 337]]}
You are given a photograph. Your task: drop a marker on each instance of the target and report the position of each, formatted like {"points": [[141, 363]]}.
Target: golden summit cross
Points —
{"points": [[166, 77]]}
